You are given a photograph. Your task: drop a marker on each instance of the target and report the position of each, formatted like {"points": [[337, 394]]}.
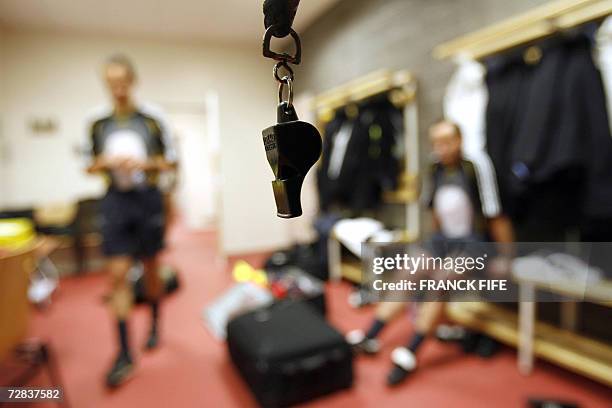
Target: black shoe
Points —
{"points": [[404, 363], [120, 372], [470, 342], [396, 376], [152, 341], [487, 347]]}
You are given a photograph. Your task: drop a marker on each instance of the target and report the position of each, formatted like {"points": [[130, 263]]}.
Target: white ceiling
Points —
{"points": [[224, 20]]}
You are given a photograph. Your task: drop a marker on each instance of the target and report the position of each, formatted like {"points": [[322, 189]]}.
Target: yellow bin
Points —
{"points": [[16, 233]]}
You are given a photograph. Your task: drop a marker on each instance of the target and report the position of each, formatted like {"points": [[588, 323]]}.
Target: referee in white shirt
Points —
{"points": [[130, 147]]}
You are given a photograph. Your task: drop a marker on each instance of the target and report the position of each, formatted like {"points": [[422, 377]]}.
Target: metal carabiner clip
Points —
{"points": [[268, 53]]}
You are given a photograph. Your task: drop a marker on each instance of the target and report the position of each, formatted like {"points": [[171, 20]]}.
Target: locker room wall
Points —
{"points": [[57, 76], [364, 35]]}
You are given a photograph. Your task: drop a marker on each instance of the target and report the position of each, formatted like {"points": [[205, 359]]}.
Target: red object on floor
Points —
{"points": [[191, 369]]}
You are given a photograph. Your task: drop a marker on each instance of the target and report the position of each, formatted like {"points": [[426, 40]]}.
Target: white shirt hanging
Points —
{"points": [[604, 61], [465, 103]]}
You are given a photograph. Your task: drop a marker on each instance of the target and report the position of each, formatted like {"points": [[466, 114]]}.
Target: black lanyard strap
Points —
{"points": [[280, 14]]}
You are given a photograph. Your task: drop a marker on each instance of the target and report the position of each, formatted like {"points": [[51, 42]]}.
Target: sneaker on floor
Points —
{"points": [[470, 342], [450, 333], [360, 298], [120, 372], [361, 344], [404, 363]]}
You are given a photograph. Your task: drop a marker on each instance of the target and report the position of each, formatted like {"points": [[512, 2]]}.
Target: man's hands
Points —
{"points": [[502, 232], [125, 164], [121, 164], [129, 165]]}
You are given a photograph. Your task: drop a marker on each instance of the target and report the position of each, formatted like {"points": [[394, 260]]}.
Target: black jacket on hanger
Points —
{"points": [[370, 163], [548, 135]]}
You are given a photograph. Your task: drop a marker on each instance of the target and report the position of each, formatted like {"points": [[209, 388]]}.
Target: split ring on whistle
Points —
{"points": [[281, 86]]}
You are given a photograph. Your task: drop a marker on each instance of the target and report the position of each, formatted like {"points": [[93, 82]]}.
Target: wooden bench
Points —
{"points": [[572, 351]]}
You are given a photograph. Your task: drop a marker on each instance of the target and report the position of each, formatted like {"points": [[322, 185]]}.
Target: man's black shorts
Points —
{"points": [[133, 222], [441, 246]]}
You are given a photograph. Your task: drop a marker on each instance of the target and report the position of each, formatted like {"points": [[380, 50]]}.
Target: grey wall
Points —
{"points": [[359, 36]]}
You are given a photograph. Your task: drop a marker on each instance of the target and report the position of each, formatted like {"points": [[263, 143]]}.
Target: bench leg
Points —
{"points": [[527, 315]]}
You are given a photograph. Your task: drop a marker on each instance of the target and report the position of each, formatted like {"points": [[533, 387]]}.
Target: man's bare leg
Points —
{"points": [[387, 311], [430, 314], [121, 296], [154, 290]]}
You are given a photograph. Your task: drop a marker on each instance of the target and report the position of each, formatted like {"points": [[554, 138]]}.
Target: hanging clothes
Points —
{"points": [[465, 103], [360, 157], [548, 134], [330, 189], [338, 150], [604, 59]]}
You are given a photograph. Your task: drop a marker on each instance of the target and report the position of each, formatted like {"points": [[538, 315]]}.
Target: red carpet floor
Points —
{"points": [[191, 369]]}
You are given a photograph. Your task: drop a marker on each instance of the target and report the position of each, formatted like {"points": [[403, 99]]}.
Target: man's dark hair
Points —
{"points": [[449, 122], [122, 60]]}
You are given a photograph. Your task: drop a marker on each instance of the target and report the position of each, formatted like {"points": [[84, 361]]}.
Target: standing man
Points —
{"points": [[130, 147]]}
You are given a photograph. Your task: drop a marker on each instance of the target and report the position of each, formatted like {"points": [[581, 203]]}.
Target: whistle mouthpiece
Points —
{"points": [[287, 196]]}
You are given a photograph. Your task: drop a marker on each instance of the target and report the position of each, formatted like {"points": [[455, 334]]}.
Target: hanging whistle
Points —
{"points": [[292, 148]]}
